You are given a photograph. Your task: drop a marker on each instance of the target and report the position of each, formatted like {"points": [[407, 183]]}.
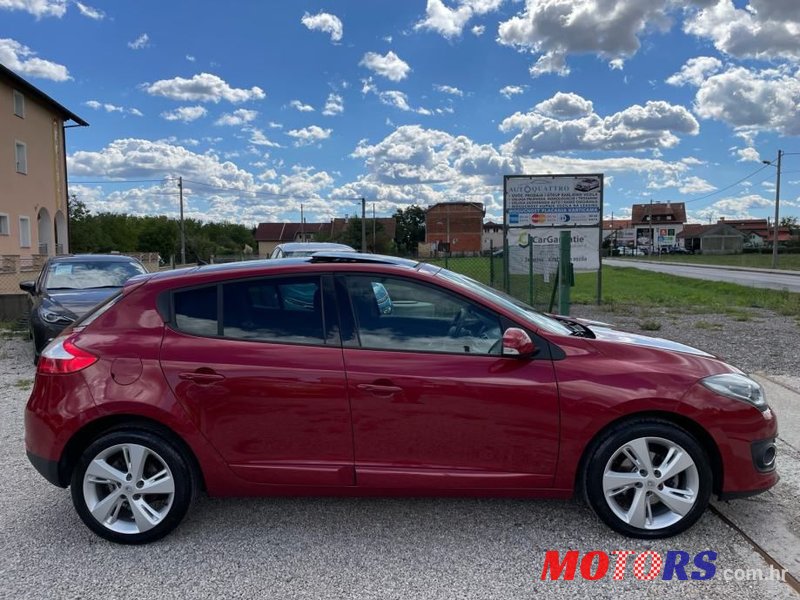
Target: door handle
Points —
{"points": [[202, 377], [379, 390]]}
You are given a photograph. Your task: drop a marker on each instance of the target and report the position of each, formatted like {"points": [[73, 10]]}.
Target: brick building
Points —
{"points": [[457, 226]]}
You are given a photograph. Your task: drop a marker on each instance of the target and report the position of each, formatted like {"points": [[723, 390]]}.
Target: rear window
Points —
{"points": [[196, 311]]}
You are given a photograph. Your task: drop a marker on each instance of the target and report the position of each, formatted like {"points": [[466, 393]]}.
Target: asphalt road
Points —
{"points": [[754, 278], [324, 548]]}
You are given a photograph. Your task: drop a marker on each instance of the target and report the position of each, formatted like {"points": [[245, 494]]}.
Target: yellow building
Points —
{"points": [[33, 171]]}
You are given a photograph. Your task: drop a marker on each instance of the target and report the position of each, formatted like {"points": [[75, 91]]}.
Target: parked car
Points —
{"points": [[207, 378], [679, 250], [297, 249], [587, 184], [69, 286]]}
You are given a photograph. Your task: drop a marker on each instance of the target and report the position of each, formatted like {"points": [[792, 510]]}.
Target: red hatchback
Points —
{"points": [[348, 374]]}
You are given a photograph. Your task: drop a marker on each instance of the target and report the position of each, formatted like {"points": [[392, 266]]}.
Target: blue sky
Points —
{"points": [[263, 106]]}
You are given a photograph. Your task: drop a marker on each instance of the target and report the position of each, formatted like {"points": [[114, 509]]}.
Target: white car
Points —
{"points": [[296, 249]]}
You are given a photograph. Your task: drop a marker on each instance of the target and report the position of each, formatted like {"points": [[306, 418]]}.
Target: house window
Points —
{"points": [[21, 155], [24, 232], [19, 104], [4, 225]]}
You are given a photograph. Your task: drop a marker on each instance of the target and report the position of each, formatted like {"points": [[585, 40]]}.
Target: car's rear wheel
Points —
{"points": [[648, 479], [132, 486]]}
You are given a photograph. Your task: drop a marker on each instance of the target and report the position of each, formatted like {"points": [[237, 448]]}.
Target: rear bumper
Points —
{"points": [[47, 468]]}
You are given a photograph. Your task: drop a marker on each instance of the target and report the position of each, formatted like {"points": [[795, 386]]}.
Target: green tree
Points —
{"points": [[410, 229]]}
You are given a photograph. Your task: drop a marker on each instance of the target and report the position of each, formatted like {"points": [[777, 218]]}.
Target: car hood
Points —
{"points": [[613, 335], [80, 302]]}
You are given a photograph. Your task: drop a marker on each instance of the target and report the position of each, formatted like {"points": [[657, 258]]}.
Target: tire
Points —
{"points": [[111, 480], [649, 494]]}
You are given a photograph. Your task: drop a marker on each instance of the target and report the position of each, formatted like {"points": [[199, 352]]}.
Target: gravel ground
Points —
{"points": [[360, 548]]}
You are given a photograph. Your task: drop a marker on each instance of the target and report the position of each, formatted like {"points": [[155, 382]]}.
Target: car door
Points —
{"points": [[434, 403], [258, 365]]}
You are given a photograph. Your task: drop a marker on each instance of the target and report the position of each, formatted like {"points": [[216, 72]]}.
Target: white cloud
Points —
{"points": [[734, 208], [764, 29], [185, 114], [478, 30], [749, 99], [695, 185], [748, 154], [240, 116], [90, 12], [112, 108], [38, 8], [334, 105], [568, 122], [395, 98], [137, 158], [190, 58], [448, 89], [258, 138], [297, 105], [23, 60], [565, 106], [512, 90], [389, 65], [324, 22], [449, 22], [143, 41], [204, 87], [695, 71], [309, 135], [555, 28]]}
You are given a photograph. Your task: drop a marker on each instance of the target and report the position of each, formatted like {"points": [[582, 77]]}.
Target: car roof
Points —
{"points": [[187, 275], [293, 246], [93, 258]]}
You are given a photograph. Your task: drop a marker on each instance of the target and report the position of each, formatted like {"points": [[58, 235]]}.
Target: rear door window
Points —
{"points": [[278, 310], [196, 311]]}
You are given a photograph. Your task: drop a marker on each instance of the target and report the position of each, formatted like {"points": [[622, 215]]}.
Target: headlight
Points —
{"points": [[738, 387], [54, 317]]}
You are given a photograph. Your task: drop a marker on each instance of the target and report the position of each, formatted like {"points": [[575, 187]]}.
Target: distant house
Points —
{"points": [[269, 235], [619, 231], [758, 232], [658, 224], [713, 239], [33, 171], [492, 236], [454, 226]]}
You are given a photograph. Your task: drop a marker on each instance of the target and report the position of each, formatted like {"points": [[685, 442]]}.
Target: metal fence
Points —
{"points": [[528, 276]]}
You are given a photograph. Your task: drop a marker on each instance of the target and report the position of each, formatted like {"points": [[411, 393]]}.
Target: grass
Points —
{"points": [[790, 262], [23, 384], [649, 325], [633, 287]]}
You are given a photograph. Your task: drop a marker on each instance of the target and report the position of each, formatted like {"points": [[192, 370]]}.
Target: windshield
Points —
{"points": [[81, 275], [520, 309]]}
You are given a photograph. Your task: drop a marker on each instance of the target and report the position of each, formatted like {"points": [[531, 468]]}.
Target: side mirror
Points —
{"points": [[27, 286], [518, 343]]}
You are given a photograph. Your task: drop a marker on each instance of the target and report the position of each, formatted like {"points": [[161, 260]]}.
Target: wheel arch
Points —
{"points": [[692, 427], [91, 431]]}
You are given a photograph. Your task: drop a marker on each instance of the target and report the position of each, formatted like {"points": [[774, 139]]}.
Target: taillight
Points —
{"points": [[62, 357]]}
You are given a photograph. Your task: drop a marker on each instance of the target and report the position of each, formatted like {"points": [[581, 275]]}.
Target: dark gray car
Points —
{"points": [[69, 286]]}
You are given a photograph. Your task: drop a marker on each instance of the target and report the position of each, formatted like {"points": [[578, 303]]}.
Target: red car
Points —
{"points": [[288, 378]]}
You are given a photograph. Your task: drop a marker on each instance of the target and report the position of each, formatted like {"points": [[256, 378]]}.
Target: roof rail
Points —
{"points": [[357, 257]]}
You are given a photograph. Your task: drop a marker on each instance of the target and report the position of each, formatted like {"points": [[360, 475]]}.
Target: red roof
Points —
{"points": [[660, 212], [288, 232]]}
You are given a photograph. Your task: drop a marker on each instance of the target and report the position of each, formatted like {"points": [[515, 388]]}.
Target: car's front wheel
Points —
{"points": [[648, 479], [132, 486]]}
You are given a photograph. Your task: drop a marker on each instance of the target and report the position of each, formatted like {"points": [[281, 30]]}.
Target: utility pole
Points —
{"points": [[776, 225], [302, 225], [183, 230], [652, 230], [363, 224], [374, 242]]}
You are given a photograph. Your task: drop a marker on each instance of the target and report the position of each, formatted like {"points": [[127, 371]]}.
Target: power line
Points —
{"points": [[727, 187], [269, 194], [121, 181]]}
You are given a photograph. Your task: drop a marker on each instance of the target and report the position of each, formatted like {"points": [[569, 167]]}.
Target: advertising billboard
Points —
{"points": [[538, 207]]}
